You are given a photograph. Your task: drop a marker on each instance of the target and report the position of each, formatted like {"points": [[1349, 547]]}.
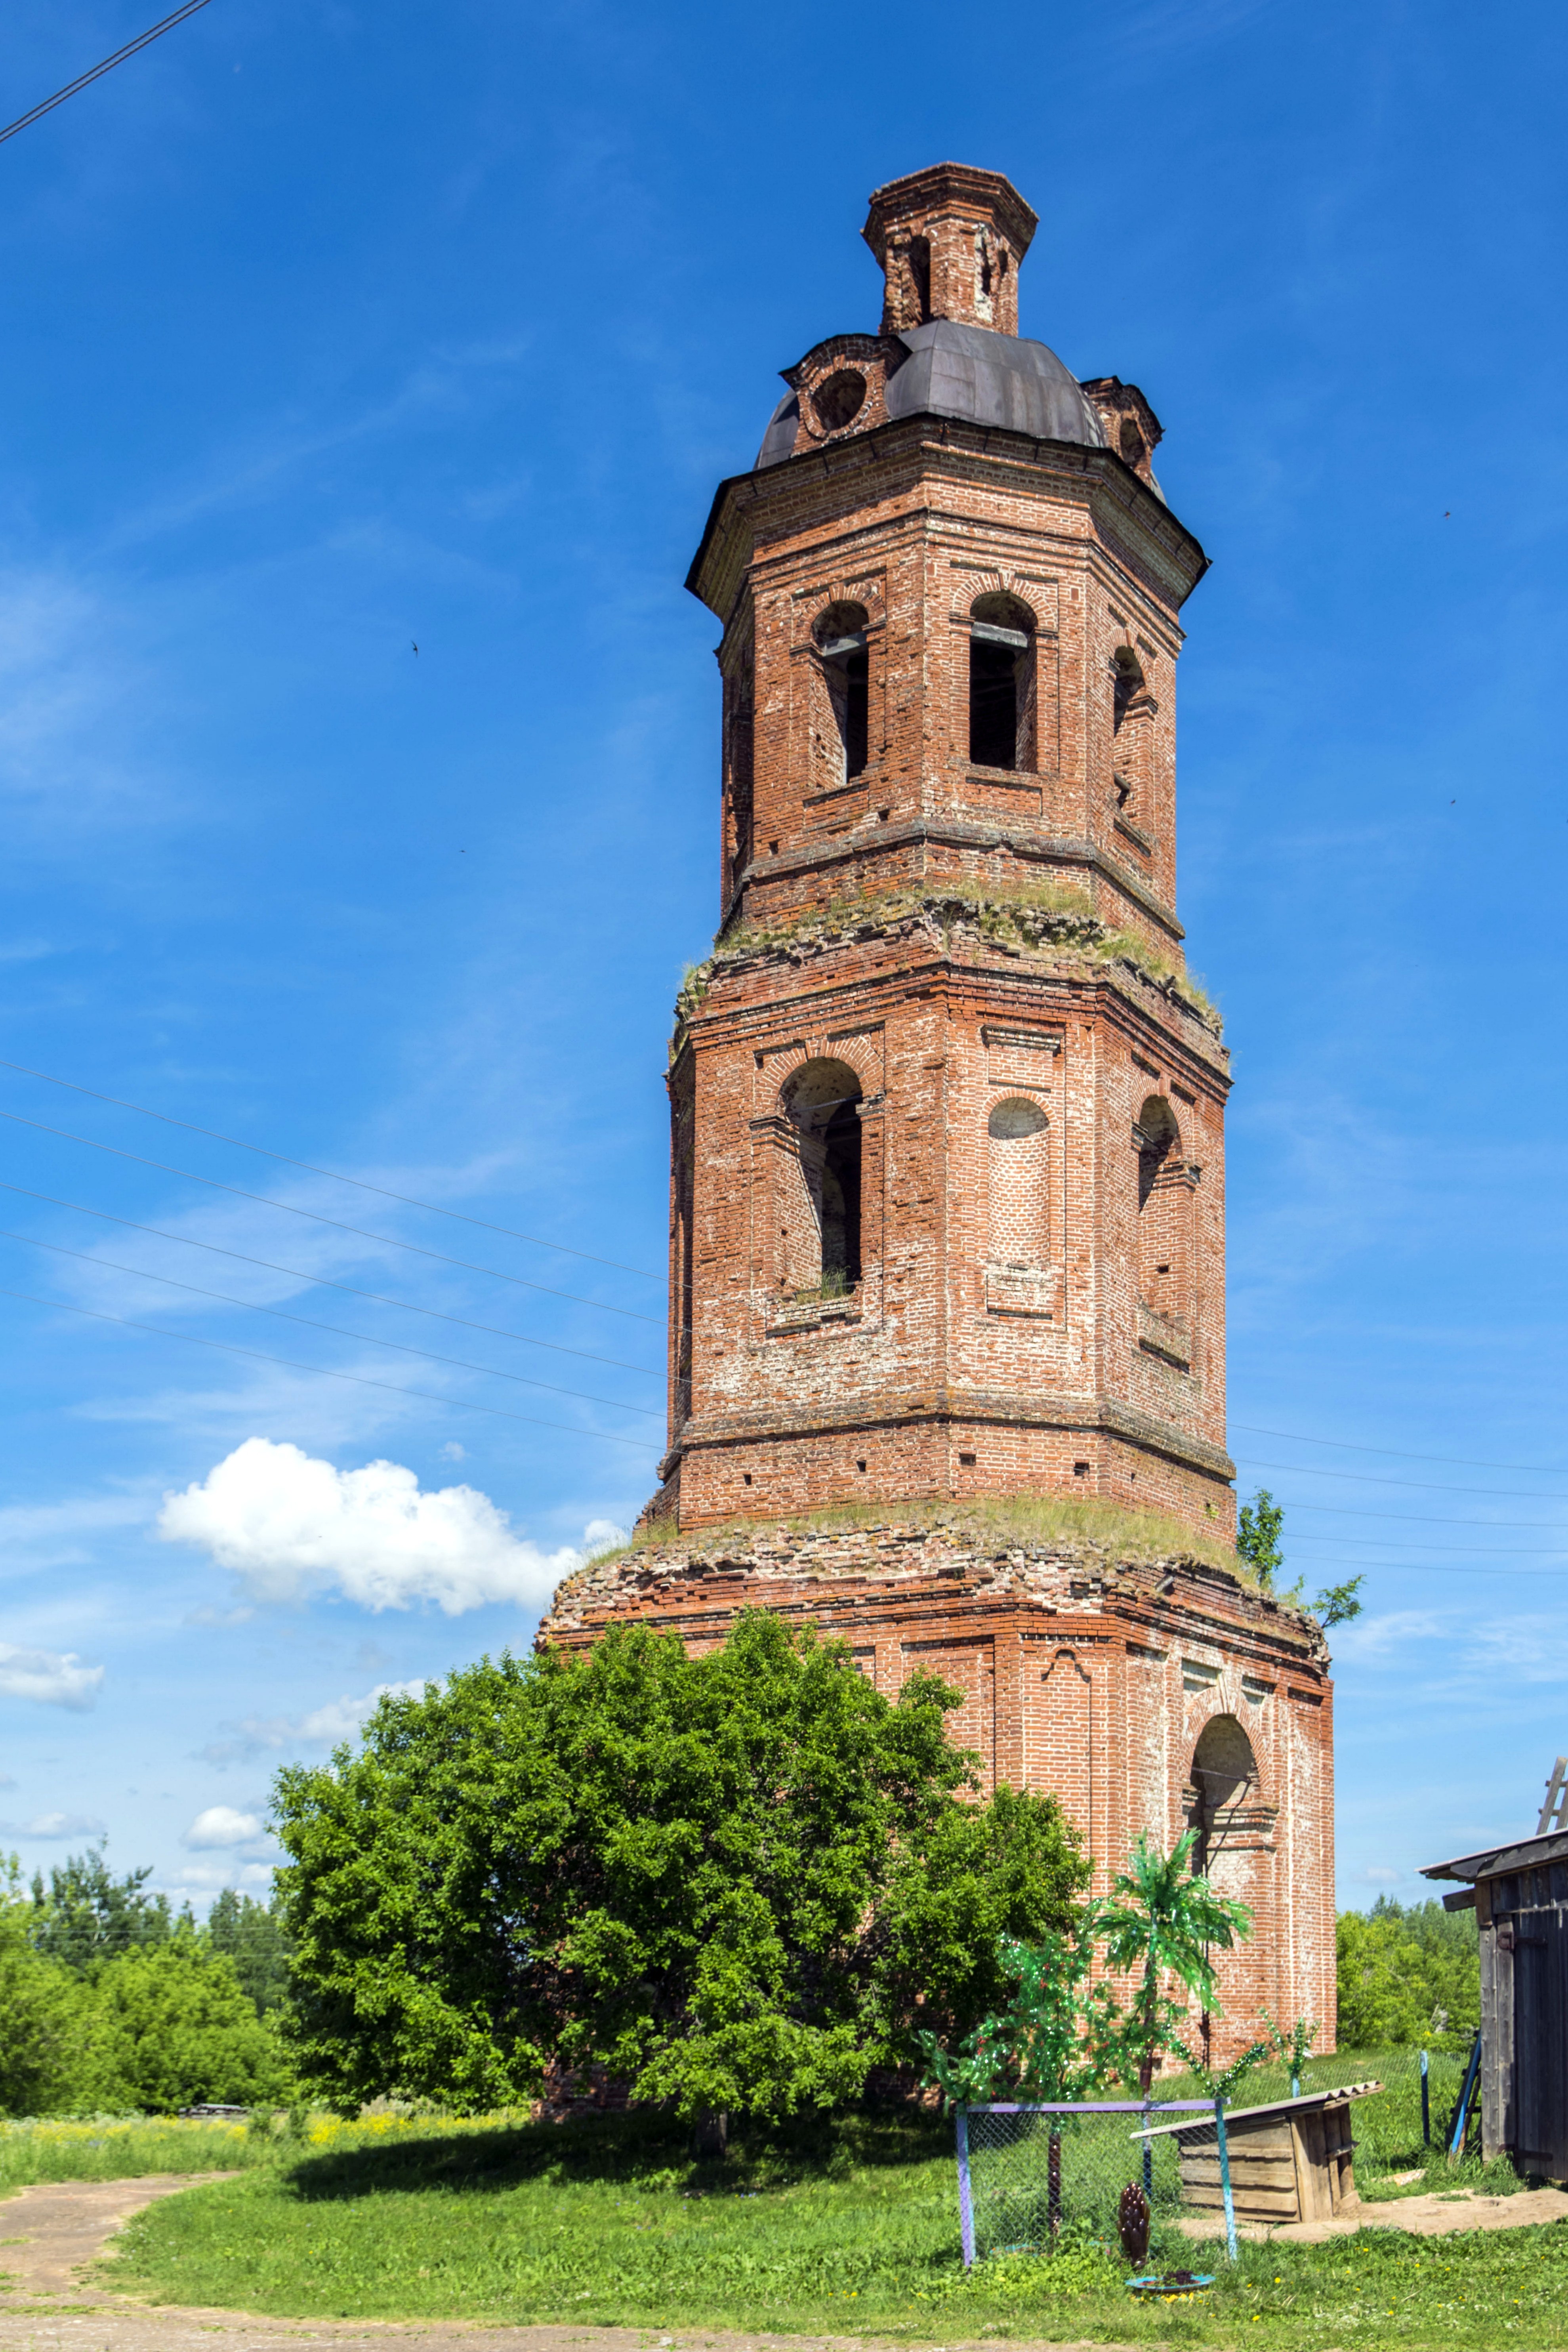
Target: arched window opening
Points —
{"points": [[1130, 713], [919, 277], [1224, 1779], [1017, 1134], [1164, 1203], [823, 1256], [1158, 1138], [1001, 683], [840, 636], [740, 766]]}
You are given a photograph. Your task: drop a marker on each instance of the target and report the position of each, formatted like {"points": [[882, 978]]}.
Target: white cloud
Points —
{"points": [[222, 1825], [289, 1526], [326, 1726], [57, 1677], [55, 1825], [453, 1452]]}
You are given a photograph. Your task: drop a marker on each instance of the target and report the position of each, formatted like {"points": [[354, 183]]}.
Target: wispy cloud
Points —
{"points": [[56, 1678], [55, 1825], [324, 1725]]}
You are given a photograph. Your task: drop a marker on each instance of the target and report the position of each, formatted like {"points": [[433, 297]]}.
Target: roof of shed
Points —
{"points": [[1520, 1853]]}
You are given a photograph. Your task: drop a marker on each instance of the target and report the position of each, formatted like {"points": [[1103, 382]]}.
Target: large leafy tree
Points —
{"points": [[169, 2025], [736, 1881], [87, 1915], [253, 1937]]}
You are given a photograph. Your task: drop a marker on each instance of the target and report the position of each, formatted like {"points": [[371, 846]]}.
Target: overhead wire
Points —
{"points": [[323, 1372], [266, 1200], [325, 1282], [48, 105], [1394, 1454], [118, 1102], [1415, 1486], [309, 1323]]}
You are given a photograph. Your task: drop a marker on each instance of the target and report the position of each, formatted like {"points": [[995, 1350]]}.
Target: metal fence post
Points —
{"points": [[1462, 2112], [966, 2198], [1225, 2178], [1426, 2106], [1148, 2153]]}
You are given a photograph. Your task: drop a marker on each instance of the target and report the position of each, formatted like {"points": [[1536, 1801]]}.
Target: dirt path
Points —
{"points": [[1432, 2216], [47, 2234]]}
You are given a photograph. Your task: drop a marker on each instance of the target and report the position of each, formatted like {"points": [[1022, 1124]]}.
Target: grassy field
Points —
{"points": [[607, 2222], [121, 2150]]}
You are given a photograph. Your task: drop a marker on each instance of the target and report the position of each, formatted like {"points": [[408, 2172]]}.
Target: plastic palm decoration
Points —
{"points": [[1159, 1919]]}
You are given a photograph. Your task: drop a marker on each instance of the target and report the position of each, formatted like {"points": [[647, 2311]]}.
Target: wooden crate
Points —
{"points": [[1290, 2161]]}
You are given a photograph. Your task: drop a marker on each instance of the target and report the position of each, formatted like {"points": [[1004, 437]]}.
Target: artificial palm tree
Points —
{"points": [[1159, 1917]]}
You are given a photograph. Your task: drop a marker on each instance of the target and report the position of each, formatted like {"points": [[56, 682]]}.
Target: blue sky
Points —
{"points": [[330, 332]]}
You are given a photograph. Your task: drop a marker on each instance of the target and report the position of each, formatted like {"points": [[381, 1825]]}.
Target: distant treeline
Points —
{"points": [[1409, 1973], [112, 2001]]}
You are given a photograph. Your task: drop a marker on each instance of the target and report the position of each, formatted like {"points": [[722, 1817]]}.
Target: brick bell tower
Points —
{"points": [[947, 1199]]}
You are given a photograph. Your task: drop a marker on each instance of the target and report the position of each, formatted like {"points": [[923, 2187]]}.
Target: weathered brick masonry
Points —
{"points": [[948, 1165]]}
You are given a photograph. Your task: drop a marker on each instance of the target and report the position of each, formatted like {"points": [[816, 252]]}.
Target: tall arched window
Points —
{"points": [[1224, 1777], [1017, 1139], [1131, 712], [1164, 1198], [1001, 683], [822, 1226], [845, 668]]}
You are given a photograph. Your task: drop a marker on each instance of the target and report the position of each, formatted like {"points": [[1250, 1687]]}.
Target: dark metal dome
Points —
{"points": [[974, 374]]}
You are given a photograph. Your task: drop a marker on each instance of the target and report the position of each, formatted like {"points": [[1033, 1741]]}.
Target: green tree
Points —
{"points": [[1258, 1535], [738, 1881], [43, 2014], [1401, 1969], [1159, 1919], [170, 2026], [87, 1915], [252, 1935]]}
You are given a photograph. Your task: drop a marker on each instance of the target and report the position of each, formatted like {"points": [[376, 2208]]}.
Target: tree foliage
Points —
{"points": [[737, 1881], [1407, 1974], [87, 1915], [253, 1937], [170, 2026]]}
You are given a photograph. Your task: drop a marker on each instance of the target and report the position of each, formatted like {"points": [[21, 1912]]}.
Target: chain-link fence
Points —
{"points": [[1033, 2180], [1296, 2146]]}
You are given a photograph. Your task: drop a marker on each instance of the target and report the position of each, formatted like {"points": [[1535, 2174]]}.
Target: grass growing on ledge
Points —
{"points": [[846, 2228], [1040, 918], [1104, 1532]]}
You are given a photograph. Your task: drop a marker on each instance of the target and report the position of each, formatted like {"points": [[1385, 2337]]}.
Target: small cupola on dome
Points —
{"points": [[950, 240]]}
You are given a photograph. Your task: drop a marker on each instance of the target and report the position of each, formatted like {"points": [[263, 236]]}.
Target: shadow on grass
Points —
{"points": [[644, 2151]]}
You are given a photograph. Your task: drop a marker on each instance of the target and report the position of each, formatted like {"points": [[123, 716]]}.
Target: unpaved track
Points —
{"points": [[47, 2233]]}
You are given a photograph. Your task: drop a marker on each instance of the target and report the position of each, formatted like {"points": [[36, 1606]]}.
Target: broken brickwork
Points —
{"points": [[1161, 1695], [948, 1160]]}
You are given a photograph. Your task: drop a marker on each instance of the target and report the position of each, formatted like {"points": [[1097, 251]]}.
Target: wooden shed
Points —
{"points": [[1290, 2161], [1520, 1897]]}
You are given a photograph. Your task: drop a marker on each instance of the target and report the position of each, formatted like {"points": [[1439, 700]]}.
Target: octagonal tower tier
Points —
{"points": [[948, 1201]]}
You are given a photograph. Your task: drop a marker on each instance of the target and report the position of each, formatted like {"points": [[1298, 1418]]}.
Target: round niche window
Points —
{"points": [[839, 400]]}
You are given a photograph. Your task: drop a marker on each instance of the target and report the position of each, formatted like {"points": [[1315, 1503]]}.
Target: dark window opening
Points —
{"points": [[920, 274], [1001, 655], [841, 1200], [1129, 680], [847, 667]]}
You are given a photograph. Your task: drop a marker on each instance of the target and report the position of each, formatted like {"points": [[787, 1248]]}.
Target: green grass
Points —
{"points": [[121, 2149], [1105, 1534], [849, 2230]]}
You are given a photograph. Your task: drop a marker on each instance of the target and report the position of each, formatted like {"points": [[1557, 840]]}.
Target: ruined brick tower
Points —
{"points": [[948, 1175]]}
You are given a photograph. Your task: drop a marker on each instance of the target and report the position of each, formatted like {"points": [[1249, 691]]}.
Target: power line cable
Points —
{"points": [[389, 1240], [323, 1372], [1392, 1453], [48, 104], [118, 1102], [1420, 1519], [1471, 1551], [1414, 1485], [308, 1323], [325, 1282]]}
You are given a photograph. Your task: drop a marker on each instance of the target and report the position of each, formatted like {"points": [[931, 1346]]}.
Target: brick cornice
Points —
{"points": [[900, 1407], [1137, 530], [963, 833]]}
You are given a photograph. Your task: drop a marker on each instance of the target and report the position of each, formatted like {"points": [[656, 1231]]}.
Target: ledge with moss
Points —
{"points": [[1033, 919], [1054, 1551]]}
